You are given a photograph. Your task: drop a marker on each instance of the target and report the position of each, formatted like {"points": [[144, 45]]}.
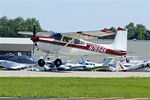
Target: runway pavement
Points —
{"points": [[73, 74]]}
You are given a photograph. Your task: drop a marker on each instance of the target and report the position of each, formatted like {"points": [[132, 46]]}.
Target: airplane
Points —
{"points": [[82, 65], [138, 67], [16, 62], [67, 65], [75, 43], [142, 66], [88, 64]]}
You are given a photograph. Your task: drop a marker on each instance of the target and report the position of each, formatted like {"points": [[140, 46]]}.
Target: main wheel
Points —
{"points": [[57, 62], [41, 62]]}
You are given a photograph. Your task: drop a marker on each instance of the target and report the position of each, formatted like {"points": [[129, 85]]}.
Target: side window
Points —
{"points": [[66, 39], [79, 42], [57, 36], [82, 42], [76, 41]]}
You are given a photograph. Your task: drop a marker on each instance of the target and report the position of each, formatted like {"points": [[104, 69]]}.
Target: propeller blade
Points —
{"points": [[25, 33], [34, 31]]}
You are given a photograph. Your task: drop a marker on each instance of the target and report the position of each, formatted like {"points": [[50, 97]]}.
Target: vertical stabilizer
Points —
{"points": [[81, 60], [120, 66], [120, 42]]}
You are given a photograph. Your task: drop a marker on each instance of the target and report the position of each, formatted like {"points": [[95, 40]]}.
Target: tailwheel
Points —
{"points": [[41, 62], [57, 62]]}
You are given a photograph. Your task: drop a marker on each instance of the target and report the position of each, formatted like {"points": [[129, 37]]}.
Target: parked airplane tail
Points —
{"points": [[81, 60], [120, 41], [120, 66]]}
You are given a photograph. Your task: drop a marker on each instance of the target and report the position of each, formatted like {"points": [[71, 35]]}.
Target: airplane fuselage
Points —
{"points": [[76, 47]]}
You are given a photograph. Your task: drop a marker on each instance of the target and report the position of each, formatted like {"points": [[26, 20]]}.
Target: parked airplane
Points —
{"points": [[139, 67], [16, 62], [73, 43], [88, 64], [82, 65], [133, 66], [67, 65]]}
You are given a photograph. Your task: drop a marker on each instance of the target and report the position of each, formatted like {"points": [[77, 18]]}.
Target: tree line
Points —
{"points": [[10, 27]]}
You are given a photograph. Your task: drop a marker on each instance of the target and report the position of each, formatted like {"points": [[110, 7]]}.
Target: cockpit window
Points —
{"points": [[57, 36], [76, 41], [66, 39]]}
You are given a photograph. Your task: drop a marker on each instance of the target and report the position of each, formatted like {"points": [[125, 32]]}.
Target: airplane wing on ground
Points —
{"points": [[88, 34]]}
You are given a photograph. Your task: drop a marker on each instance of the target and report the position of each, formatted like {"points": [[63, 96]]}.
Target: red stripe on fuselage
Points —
{"points": [[114, 52], [88, 46]]}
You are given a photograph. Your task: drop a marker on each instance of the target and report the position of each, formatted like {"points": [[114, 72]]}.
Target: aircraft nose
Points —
{"points": [[35, 39]]}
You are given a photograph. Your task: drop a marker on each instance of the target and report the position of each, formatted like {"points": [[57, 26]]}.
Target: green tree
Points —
{"points": [[113, 29], [3, 26], [140, 32], [147, 37], [131, 30], [10, 27]]}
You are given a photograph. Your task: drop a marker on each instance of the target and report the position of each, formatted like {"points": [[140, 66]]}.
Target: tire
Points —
{"points": [[57, 62], [41, 62]]}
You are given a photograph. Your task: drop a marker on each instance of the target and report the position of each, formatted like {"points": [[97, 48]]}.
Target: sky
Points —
{"points": [[79, 15]]}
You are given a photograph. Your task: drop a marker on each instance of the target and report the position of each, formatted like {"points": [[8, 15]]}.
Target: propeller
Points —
{"points": [[34, 38], [34, 31]]}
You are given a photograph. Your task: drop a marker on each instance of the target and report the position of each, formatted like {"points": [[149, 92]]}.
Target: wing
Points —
{"points": [[25, 33], [38, 33], [77, 35], [88, 34]]}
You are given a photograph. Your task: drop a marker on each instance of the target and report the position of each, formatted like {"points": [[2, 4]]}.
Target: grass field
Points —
{"points": [[75, 87]]}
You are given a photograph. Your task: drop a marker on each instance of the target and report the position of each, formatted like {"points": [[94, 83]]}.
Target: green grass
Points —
{"points": [[74, 87]]}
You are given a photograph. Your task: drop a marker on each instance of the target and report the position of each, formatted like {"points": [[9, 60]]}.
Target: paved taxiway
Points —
{"points": [[72, 74]]}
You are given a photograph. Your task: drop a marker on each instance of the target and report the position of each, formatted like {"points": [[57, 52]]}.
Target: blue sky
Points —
{"points": [[79, 15]]}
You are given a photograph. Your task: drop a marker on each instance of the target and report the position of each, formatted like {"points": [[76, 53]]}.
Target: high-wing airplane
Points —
{"points": [[74, 43]]}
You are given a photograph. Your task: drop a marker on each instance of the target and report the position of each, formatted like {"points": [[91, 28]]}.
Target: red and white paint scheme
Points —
{"points": [[74, 43]]}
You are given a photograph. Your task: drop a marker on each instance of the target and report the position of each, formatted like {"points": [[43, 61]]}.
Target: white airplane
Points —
{"points": [[89, 64], [17, 62], [73, 43], [81, 65], [143, 66]]}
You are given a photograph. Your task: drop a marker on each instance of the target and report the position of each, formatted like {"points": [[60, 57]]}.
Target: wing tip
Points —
{"points": [[120, 29], [108, 31]]}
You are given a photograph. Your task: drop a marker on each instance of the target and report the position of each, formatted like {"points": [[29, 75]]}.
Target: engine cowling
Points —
{"points": [[41, 62], [57, 62]]}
